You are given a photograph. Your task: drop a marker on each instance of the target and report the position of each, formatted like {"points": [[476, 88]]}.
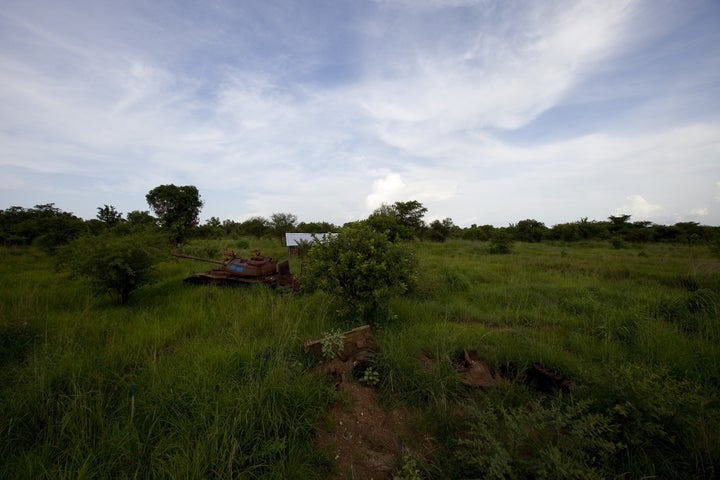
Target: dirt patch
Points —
{"points": [[366, 440]]}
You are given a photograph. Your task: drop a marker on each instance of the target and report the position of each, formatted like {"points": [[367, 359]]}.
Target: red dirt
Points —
{"points": [[365, 440]]}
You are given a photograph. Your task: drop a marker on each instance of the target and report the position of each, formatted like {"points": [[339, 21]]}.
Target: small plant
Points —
{"points": [[370, 377], [333, 343], [409, 470]]}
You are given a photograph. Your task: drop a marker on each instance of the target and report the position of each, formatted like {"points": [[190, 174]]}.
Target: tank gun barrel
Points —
{"points": [[208, 260]]}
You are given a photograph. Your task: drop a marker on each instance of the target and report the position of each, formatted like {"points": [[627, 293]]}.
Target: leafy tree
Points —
{"points": [[473, 232], [108, 215], [388, 225], [211, 228], [177, 208], [43, 225], [138, 218], [619, 222], [361, 268], [316, 227], [256, 226], [529, 231], [114, 264], [440, 231], [567, 232], [281, 223], [410, 213], [408, 219]]}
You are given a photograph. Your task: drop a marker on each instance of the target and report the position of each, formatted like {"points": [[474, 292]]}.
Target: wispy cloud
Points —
{"points": [[279, 106]]}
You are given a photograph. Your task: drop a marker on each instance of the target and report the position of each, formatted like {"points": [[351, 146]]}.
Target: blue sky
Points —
{"points": [[486, 111]]}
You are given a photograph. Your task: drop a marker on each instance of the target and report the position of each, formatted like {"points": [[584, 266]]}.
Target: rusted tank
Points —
{"points": [[234, 270]]}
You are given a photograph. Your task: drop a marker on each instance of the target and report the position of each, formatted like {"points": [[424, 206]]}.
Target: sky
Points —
{"points": [[485, 111]]}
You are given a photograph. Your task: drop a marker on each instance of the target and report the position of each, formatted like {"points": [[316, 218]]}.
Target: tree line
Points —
{"points": [[176, 212], [117, 253]]}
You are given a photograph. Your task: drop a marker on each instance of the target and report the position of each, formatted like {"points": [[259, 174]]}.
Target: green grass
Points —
{"points": [[224, 391]]}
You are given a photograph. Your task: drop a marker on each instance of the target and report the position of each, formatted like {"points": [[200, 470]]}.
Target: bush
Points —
{"points": [[116, 265], [500, 243], [541, 440], [361, 268]]}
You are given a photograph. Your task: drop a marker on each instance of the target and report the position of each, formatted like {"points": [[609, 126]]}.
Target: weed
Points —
{"points": [[370, 377], [408, 470], [332, 343]]}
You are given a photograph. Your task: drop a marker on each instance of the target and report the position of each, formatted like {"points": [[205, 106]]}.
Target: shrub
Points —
{"points": [[361, 268], [500, 243], [540, 440], [116, 265]]}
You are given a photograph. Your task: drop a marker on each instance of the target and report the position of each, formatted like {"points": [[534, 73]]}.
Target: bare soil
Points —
{"points": [[366, 440]]}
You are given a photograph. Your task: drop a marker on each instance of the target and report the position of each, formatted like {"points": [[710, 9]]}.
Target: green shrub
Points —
{"points": [[362, 269], [500, 243], [116, 265], [553, 440]]}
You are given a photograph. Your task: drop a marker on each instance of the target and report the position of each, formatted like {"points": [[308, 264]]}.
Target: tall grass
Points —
{"points": [[222, 389]]}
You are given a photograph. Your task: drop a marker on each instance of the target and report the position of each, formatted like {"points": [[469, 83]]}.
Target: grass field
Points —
{"points": [[223, 390]]}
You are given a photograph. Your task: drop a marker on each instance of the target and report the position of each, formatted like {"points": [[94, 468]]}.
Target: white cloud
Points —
{"points": [[426, 106], [699, 212], [639, 208], [385, 190]]}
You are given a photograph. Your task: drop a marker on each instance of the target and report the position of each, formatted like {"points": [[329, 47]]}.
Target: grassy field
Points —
{"points": [[223, 390]]}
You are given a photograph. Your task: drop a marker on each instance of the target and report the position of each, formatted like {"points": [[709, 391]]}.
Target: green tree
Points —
{"points": [[473, 232], [140, 218], [108, 215], [401, 219], [255, 226], [281, 223], [439, 231], [410, 213], [361, 268], [316, 227], [619, 222], [117, 265], [529, 231], [43, 225], [177, 208]]}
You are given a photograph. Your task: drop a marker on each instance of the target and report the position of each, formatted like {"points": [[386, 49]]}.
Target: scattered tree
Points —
{"points": [[141, 218], [401, 219], [282, 223], [258, 227], [177, 208], [529, 231], [316, 227], [410, 214], [108, 215], [440, 231]]}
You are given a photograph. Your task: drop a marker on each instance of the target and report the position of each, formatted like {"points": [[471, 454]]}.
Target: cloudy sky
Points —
{"points": [[486, 111]]}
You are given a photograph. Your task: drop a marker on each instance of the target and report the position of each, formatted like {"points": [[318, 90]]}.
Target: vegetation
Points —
{"points": [[223, 389], [627, 313], [117, 265], [361, 269], [177, 208]]}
